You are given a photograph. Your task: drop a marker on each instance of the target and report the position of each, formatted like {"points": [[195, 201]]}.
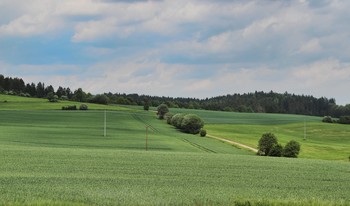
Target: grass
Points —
{"points": [[218, 117], [120, 177], [84, 129], [8, 102], [52, 157], [323, 140]]}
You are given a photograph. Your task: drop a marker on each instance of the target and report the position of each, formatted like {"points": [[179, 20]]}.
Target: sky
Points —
{"points": [[180, 48]]}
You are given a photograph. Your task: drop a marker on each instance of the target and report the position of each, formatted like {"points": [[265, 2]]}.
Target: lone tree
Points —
{"points": [[266, 143], [162, 110], [146, 106], [291, 149]]}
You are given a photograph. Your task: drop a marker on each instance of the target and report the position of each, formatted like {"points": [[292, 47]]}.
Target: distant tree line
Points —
{"points": [[257, 102]]}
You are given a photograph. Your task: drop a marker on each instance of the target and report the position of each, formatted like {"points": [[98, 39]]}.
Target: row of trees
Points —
{"points": [[188, 123], [258, 102]]}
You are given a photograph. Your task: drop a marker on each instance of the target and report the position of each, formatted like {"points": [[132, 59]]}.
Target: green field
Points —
{"points": [[323, 140], [54, 157], [32, 175], [8, 102]]}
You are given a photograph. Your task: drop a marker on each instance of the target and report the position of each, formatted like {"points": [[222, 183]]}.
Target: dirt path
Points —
{"points": [[233, 143]]}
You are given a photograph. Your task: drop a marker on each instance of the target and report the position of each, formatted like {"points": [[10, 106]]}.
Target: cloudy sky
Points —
{"points": [[186, 48]]}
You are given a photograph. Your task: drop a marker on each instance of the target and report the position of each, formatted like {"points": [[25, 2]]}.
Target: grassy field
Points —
{"points": [[85, 129], [31, 175], [323, 141], [8, 102], [54, 157]]}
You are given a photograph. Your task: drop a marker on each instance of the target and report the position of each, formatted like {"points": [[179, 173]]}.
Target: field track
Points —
{"points": [[233, 143]]}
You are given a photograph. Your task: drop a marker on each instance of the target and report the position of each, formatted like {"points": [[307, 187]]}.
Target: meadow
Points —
{"points": [[8, 102], [54, 157], [319, 140]]}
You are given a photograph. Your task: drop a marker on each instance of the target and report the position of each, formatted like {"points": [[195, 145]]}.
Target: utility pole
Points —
{"points": [[304, 129], [147, 137], [105, 125]]}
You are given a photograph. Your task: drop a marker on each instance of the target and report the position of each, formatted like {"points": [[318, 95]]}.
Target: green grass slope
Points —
{"points": [[53, 157], [8, 102], [323, 141], [85, 129]]}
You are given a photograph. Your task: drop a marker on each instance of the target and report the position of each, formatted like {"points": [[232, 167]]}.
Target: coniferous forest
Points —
{"points": [[255, 102]]}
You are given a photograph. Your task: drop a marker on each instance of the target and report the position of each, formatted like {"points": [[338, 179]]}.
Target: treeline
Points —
{"points": [[257, 102]]}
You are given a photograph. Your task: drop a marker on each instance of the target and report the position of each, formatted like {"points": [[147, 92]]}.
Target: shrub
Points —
{"points": [[168, 117], [203, 133], [100, 99], [177, 119], [146, 107], [11, 92], [266, 142], [327, 119], [83, 107], [64, 98], [344, 120], [291, 149], [162, 110], [73, 107], [276, 150], [192, 124], [52, 97]]}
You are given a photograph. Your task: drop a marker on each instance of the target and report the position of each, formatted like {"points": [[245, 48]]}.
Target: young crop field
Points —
{"points": [[54, 157], [319, 140], [32, 175], [85, 129]]}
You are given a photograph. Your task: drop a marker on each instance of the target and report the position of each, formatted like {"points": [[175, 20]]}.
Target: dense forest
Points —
{"points": [[259, 102]]}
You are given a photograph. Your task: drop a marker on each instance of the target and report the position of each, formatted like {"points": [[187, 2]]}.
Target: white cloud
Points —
{"points": [[311, 46], [28, 25], [152, 47]]}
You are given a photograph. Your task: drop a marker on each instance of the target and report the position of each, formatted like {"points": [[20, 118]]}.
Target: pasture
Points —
{"points": [[53, 157]]}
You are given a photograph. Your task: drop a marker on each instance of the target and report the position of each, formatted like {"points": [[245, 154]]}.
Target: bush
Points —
{"points": [[52, 97], [276, 150], [69, 107], [146, 107], [83, 107], [99, 99], [344, 120], [203, 133], [64, 98], [192, 124], [266, 143], [177, 119], [327, 119], [291, 149], [162, 110], [168, 117]]}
